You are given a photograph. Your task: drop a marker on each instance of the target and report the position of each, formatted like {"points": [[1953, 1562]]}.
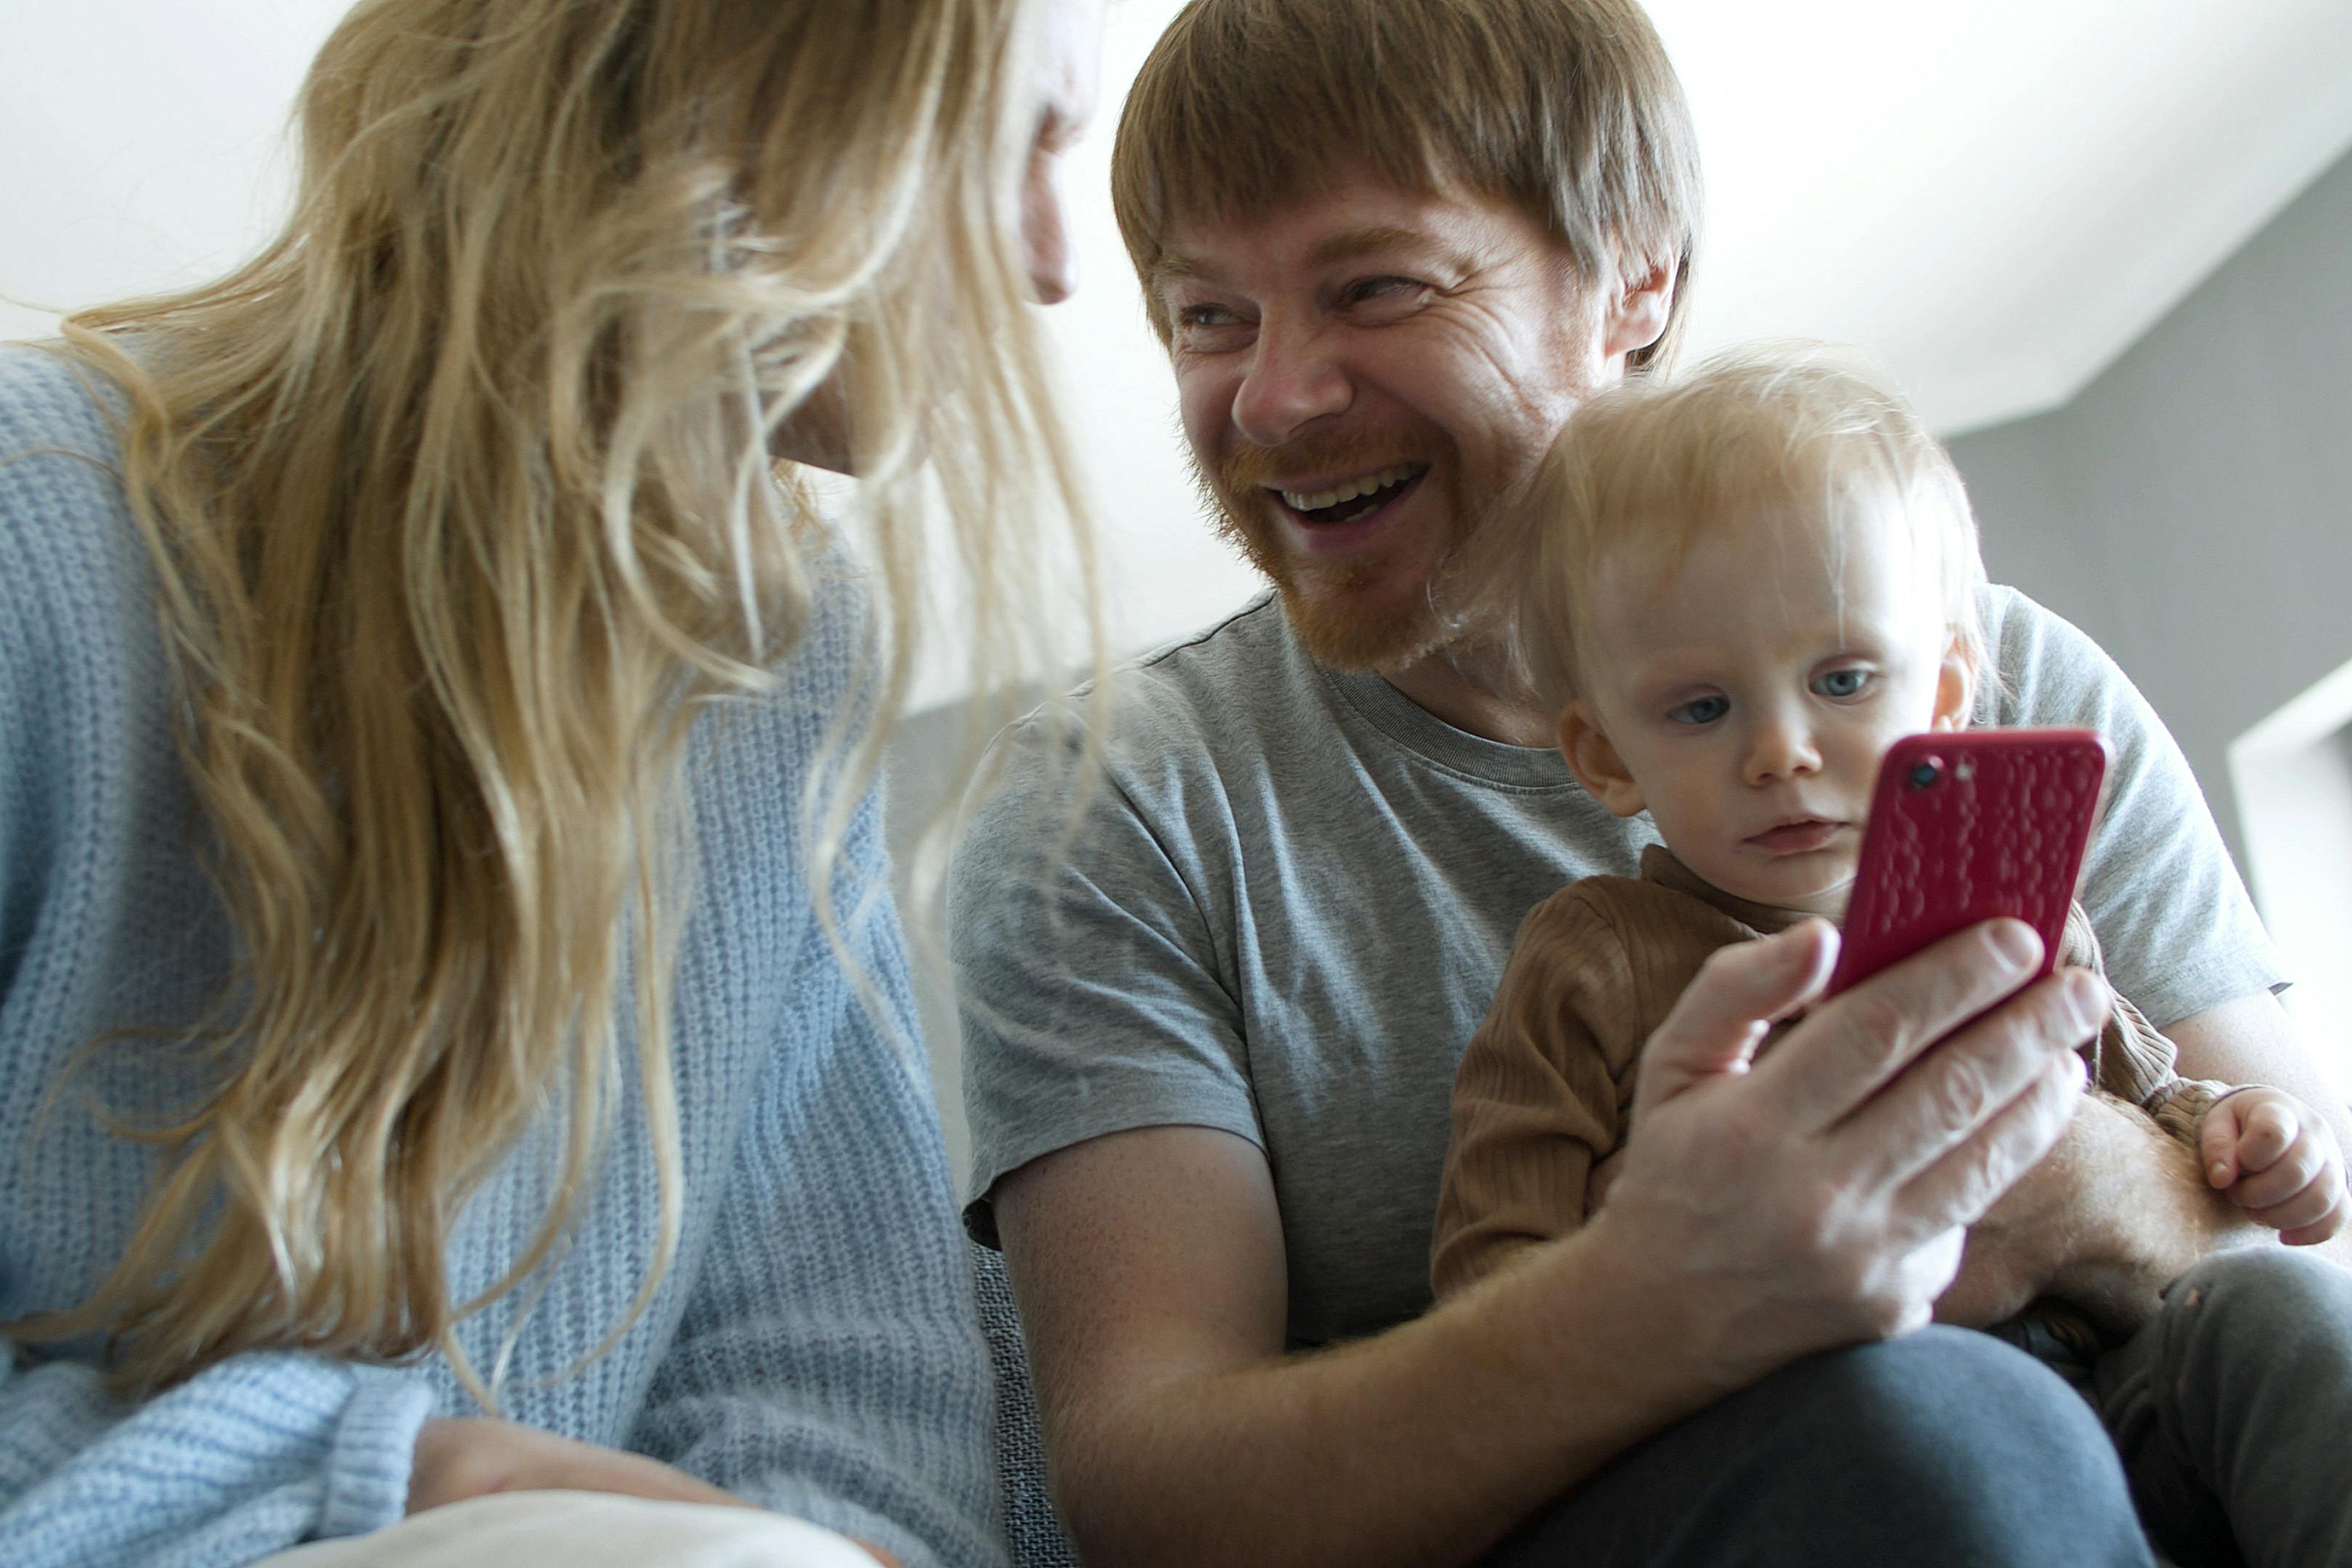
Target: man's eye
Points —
{"points": [[1384, 297], [1842, 683], [1205, 316], [1699, 710]]}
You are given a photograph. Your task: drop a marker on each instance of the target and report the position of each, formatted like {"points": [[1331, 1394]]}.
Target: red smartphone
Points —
{"points": [[1967, 826]]}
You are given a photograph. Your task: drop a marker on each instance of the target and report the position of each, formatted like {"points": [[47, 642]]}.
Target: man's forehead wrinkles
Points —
{"points": [[1351, 243], [1366, 239]]}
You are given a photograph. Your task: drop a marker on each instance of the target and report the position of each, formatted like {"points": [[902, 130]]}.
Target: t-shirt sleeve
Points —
{"points": [[2171, 912], [1146, 1031]]}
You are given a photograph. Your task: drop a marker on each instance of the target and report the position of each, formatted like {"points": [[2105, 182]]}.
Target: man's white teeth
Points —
{"points": [[1300, 501]]}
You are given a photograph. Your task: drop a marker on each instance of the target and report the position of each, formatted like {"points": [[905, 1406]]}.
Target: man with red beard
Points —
{"points": [[1212, 1020]]}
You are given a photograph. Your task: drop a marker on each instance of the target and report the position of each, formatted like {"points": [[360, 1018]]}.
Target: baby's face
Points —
{"points": [[1745, 699]]}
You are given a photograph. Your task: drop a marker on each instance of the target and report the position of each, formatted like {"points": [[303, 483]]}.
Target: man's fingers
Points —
{"points": [[1852, 1047], [1965, 1081], [1723, 1014], [1969, 1180]]}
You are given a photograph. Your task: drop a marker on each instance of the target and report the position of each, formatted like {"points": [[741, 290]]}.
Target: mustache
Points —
{"points": [[1248, 466]]}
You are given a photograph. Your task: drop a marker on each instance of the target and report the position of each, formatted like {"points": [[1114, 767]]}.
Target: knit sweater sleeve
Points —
{"points": [[263, 1451], [830, 1363], [254, 1455]]}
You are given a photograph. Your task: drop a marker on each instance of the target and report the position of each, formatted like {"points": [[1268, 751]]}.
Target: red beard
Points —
{"points": [[1335, 607]]}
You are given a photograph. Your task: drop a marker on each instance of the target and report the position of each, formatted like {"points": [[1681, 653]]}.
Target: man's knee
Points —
{"points": [[1976, 1407], [1953, 1438], [1943, 1449]]}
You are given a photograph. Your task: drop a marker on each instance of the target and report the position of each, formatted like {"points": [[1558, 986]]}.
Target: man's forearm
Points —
{"points": [[2137, 1214], [1420, 1448], [2253, 1040]]}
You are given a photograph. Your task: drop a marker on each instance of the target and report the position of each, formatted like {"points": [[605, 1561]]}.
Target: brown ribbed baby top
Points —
{"points": [[1546, 1090]]}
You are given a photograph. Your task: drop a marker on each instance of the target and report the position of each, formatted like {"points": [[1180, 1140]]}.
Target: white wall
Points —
{"points": [[1997, 197], [2293, 776]]}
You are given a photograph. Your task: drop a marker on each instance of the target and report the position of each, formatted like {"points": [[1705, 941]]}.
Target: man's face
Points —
{"points": [[1363, 373]]}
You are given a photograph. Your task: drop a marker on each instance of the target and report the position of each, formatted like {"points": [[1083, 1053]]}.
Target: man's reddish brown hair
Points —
{"points": [[1567, 108]]}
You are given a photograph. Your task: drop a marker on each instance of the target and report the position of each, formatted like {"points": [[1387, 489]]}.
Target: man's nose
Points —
{"points": [[1780, 746], [1291, 380]]}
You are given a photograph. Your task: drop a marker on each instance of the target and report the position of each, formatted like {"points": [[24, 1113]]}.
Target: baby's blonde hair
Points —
{"points": [[1804, 430]]}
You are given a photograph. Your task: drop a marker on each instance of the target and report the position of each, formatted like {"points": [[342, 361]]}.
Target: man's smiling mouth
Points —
{"points": [[1352, 499]]}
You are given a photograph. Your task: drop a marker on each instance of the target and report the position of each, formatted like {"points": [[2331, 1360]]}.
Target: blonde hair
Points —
{"points": [[1568, 108], [1805, 430], [460, 506]]}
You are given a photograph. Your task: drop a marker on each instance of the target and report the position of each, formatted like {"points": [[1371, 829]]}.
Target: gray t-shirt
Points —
{"points": [[1282, 909]]}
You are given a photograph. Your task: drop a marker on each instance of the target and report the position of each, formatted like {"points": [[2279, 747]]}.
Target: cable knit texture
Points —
{"points": [[815, 1348]]}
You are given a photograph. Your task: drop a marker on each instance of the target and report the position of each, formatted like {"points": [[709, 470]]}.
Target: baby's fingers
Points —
{"points": [[2325, 1225], [2307, 1210], [2266, 1131], [2216, 1143], [2264, 1191]]}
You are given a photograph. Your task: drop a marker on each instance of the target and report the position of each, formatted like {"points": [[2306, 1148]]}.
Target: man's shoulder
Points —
{"points": [[1208, 702], [2047, 670], [1230, 670]]}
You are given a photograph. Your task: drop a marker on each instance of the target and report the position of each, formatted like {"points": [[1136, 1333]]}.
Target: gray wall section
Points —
{"points": [[2193, 508]]}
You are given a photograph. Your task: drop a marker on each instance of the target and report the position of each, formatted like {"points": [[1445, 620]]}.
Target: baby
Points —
{"points": [[1737, 591]]}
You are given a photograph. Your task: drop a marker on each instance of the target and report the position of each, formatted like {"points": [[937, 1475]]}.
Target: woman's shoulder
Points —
{"points": [[50, 401], [62, 502]]}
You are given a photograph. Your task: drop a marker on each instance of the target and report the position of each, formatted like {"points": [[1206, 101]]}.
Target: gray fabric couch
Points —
{"points": [[1036, 1534]]}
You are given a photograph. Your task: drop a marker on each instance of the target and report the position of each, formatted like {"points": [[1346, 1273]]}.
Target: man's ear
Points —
{"points": [[1637, 317], [1956, 689], [1594, 761]]}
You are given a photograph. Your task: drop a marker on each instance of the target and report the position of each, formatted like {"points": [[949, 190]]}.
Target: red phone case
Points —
{"points": [[1966, 826]]}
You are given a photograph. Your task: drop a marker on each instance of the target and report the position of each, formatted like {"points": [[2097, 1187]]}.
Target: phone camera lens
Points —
{"points": [[1925, 775]]}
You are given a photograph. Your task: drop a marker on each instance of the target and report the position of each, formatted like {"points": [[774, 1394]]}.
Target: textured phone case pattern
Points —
{"points": [[1950, 866]]}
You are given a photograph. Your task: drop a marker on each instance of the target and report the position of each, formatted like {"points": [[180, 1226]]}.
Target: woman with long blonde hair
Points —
{"points": [[455, 1043]]}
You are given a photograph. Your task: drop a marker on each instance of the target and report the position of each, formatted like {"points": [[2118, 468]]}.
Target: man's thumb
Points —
{"points": [[1725, 1013]]}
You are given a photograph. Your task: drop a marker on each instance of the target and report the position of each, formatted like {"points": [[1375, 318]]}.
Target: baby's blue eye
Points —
{"points": [[1700, 710], [1842, 683]]}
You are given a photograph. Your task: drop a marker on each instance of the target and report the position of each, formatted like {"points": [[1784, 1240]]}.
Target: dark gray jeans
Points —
{"points": [[2232, 1412], [1942, 1449]]}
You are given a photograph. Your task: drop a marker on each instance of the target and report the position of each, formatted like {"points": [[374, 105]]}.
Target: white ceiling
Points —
{"points": [[1996, 196]]}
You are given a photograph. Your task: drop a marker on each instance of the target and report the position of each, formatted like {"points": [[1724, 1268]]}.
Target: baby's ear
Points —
{"points": [[1594, 761], [1955, 688]]}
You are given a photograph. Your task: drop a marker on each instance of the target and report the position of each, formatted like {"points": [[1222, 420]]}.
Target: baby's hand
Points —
{"points": [[2276, 1160]]}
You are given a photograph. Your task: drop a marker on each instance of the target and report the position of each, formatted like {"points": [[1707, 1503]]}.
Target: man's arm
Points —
{"points": [[2254, 1040], [2119, 1209], [1763, 1214]]}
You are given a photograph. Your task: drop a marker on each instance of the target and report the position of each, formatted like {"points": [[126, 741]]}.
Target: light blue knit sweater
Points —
{"points": [[813, 1348]]}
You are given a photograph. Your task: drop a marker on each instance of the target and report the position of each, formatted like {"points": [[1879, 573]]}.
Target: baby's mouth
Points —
{"points": [[1797, 836]]}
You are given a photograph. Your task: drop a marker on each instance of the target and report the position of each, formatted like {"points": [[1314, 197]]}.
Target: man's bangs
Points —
{"points": [[1207, 137], [1565, 108]]}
